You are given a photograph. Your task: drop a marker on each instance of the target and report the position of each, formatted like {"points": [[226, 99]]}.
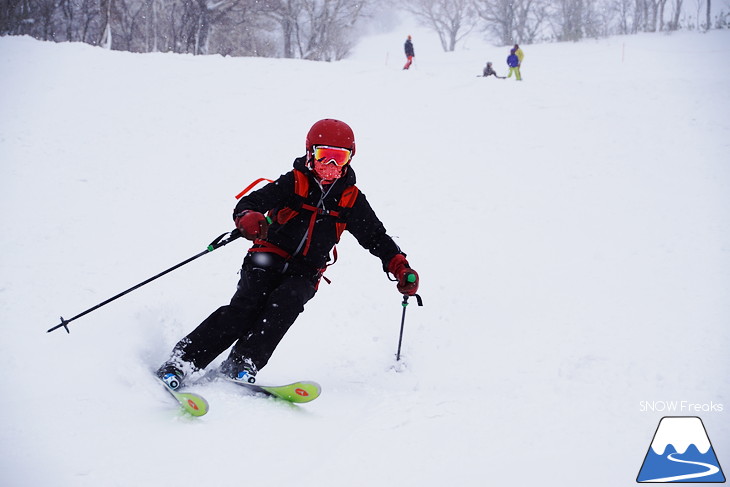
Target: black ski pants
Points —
{"points": [[268, 300]]}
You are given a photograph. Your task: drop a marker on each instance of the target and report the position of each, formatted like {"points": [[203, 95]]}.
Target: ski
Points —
{"points": [[297, 392], [191, 403]]}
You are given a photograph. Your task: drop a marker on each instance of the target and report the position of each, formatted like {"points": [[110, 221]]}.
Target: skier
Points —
{"points": [[489, 71], [309, 207], [410, 53], [514, 65]]}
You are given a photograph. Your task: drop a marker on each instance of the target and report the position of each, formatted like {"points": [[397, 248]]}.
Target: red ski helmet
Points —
{"points": [[331, 132]]}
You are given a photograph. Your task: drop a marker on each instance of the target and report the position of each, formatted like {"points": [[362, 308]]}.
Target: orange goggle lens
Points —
{"points": [[325, 154]]}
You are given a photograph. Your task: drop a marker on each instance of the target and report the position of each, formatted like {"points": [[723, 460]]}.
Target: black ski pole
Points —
{"points": [[403, 317], [215, 244]]}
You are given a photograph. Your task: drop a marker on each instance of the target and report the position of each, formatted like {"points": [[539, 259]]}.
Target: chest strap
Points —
{"points": [[301, 189]]}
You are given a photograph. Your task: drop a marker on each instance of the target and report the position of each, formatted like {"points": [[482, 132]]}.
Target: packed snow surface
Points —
{"points": [[571, 232]]}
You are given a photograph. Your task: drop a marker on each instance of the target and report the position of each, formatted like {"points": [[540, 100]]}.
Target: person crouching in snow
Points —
{"points": [[489, 71], [309, 208]]}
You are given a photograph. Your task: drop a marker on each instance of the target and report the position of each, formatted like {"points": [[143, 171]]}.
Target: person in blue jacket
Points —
{"points": [[514, 65]]}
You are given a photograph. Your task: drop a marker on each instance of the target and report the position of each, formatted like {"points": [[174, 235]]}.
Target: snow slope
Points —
{"points": [[571, 232]]}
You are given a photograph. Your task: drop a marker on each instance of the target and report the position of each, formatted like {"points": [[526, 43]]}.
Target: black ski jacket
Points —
{"points": [[408, 47], [360, 219]]}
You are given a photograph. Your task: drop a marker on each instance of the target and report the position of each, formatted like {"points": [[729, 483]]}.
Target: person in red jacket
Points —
{"points": [[308, 209]]}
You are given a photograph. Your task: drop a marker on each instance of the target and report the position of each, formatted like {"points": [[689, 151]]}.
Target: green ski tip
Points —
{"points": [[298, 392], [192, 404]]}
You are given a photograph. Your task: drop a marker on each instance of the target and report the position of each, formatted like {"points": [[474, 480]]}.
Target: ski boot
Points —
{"points": [[242, 370], [171, 375]]}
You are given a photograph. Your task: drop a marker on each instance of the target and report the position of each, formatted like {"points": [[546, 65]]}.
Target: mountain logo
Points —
{"points": [[680, 452]]}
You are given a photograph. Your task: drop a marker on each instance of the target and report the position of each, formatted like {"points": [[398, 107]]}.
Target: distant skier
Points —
{"points": [[410, 52], [489, 71], [514, 65], [309, 208]]}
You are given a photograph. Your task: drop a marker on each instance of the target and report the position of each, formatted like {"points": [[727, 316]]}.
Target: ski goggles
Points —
{"points": [[325, 154]]}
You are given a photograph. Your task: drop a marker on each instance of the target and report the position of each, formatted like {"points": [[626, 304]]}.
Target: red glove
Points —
{"points": [[407, 277], [252, 225]]}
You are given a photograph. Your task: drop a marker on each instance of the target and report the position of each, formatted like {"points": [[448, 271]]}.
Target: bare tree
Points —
{"points": [[322, 31], [656, 11], [650, 15], [676, 12], [450, 19], [315, 29], [594, 18], [568, 20], [640, 16], [622, 9], [287, 14], [662, 4], [149, 31], [30, 17], [129, 25], [512, 21], [500, 18], [76, 19], [325, 29], [531, 15], [89, 21], [245, 31], [105, 37]]}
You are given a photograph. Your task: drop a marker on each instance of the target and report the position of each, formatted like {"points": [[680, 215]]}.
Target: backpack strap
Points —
{"points": [[347, 200], [264, 246], [301, 190], [250, 186], [301, 184]]}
